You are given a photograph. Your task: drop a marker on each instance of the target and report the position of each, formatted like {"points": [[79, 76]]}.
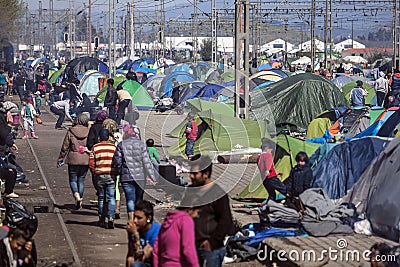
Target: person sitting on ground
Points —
{"points": [[265, 163], [299, 180], [143, 232], [357, 95], [15, 249], [392, 102], [175, 243], [100, 164]]}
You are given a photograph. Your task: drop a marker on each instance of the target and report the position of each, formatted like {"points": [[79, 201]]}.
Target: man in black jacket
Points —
{"points": [[215, 221], [111, 99]]}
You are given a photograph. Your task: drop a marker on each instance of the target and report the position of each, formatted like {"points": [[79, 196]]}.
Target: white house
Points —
{"points": [[276, 46], [225, 44], [347, 44], [306, 46]]}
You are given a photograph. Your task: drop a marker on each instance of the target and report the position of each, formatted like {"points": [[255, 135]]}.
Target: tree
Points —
{"points": [[206, 49], [11, 11]]}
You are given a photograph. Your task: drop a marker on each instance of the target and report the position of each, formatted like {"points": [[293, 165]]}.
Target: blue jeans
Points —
{"points": [[138, 264], [61, 115], [121, 110], [77, 174], [212, 258], [134, 191], [189, 151], [106, 186]]}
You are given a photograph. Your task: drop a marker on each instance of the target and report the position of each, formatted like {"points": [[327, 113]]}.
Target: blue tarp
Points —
{"points": [[255, 240], [376, 126], [208, 91], [166, 84], [341, 167]]}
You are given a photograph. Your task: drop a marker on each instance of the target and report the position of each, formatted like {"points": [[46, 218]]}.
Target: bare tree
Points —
{"points": [[11, 11]]}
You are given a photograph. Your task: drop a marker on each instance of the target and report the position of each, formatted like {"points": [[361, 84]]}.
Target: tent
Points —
{"points": [[355, 59], [265, 67], [180, 76], [228, 76], [140, 97], [220, 133], [153, 83], [341, 81], [376, 193], [280, 72], [55, 77], [302, 61], [370, 99], [208, 91], [187, 90], [296, 100], [286, 150], [83, 64], [197, 105], [385, 124], [264, 76], [342, 166], [89, 84]]}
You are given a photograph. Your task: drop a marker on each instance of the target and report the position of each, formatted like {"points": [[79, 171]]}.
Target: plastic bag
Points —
{"points": [[39, 121], [363, 227], [18, 217]]}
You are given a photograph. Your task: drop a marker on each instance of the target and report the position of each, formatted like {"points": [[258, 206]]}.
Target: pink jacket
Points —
{"points": [[175, 244]]}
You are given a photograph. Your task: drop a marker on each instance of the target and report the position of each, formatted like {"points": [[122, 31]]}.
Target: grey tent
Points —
{"points": [[296, 101], [343, 165], [377, 191]]}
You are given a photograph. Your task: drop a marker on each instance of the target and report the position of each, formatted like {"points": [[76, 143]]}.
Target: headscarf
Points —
{"points": [[101, 116], [128, 131], [82, 119], [381, 74]]}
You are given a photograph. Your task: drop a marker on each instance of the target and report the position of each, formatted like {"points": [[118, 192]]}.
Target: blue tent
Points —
{"points": [[265, 67], [280, 72], [208, 91], [342, 166], [181, 68], [383, 127], [190, 89], [145, 70], [166, 84]]}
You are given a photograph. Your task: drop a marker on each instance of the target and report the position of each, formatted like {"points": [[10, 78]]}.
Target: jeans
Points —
{"points": [[9, 177], [61, 115], [121, 110], [134, 191], [77, 174], [212, 258], [106, 185], [380, 97], [138, 264], [272, 184], [189, 151], [21, 92], [111, 112]]}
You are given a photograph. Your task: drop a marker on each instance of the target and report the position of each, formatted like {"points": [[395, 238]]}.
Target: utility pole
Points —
{"points": [[242, 33], [52, 31], [330, 34], [40, 25], [352, 31], [286, 36], [111, 37], [162, 29], [195, 32], [90, 28], [128, 30], [214, 30], [312, 35], [326, 34], [132, 30], [396, 35]]}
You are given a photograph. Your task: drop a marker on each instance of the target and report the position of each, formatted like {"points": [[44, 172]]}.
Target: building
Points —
{"points": [[306, 46], [277, 46], [366, 52], [347, 44]]}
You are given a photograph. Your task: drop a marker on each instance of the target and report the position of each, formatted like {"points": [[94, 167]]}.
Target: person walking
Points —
{"points": [[74, 153], [3, 82], [61, 109], [215, 222], [394, 83], [110, 101], [100, 163], [357, 95], [124, 99], [381, 88], [19, 83], [132, 163]]}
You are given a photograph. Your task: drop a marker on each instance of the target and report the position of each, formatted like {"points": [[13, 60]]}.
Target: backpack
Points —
{"points": [[17, 216]]}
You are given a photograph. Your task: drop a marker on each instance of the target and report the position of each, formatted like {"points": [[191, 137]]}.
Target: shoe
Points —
{"points": [[78, 201], [59, 128], [34, 136], [12, 195], [25, 135], [117, 216], [101, 223], [110, 224]]}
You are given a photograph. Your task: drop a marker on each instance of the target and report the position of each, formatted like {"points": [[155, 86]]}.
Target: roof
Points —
{"points": [[369, 50]]}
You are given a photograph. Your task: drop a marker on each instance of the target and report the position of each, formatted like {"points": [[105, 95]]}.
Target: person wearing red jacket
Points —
{"points": [[191, 135]]}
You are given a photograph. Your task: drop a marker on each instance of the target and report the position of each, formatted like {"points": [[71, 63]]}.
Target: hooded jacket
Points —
{"points": [[175, 244], [75, 137], [299, 180], [395, 82], [132, 161]]}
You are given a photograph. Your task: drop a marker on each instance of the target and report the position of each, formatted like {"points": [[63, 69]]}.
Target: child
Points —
{"points": [[265, 163], [28, 113], [153, 153], [38, 101], [191, 135]]}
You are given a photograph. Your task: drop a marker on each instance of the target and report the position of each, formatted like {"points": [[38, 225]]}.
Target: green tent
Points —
{"points": [[198, 105], [228, 76], [118, 79], [140, 97], [296, 100], [320, 124], [286, 151], [219, 132], [55, 76], [370, 89]]}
